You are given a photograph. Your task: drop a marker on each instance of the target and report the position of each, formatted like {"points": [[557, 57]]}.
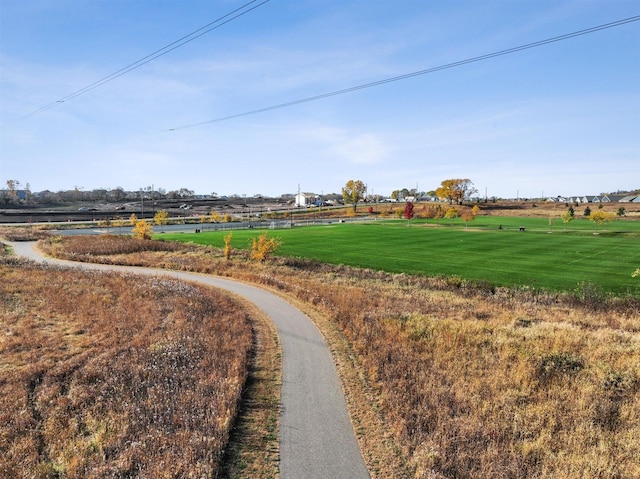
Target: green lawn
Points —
{"points": [[556, 256]]}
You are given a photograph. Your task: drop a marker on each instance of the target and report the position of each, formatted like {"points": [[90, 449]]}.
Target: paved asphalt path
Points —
{"points": [[317, 440]]}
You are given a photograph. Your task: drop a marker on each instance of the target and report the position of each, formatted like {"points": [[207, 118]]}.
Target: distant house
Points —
{"points": [[593, 199], [306, 199], [629, 199]]}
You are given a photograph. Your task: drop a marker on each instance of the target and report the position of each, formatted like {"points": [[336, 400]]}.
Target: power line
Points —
{"points": [[238, 12], [487, 56]]}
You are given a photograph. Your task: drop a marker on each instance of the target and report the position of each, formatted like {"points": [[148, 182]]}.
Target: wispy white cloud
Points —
{"points": [[359, 148]]}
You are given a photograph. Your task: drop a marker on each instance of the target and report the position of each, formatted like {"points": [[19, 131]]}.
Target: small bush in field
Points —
{"points": [[142, 230], [621, 384], [263, 246], [591, 294], [560, 363], [227, 246]]}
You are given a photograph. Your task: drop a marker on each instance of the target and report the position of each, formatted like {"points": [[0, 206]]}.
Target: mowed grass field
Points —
{"points": [[553, 256]]}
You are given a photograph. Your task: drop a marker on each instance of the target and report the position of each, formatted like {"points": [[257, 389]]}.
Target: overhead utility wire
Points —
{"points": [[152, 56], [417, 73]]}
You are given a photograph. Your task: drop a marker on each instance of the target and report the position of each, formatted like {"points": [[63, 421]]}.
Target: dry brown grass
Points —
{"points": [[105, 375], [468, 382], [481, 384], [23, 233]]}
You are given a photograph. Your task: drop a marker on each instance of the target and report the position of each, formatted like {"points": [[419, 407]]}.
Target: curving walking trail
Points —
{"points": [[317, 440]]}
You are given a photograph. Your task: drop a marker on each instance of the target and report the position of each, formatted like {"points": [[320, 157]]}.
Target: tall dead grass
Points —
{"points": [[475, 381], [24, 233], [105, 375]]}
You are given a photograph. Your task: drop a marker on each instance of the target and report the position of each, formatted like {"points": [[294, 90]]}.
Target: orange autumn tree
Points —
{"points": [[263, 246], [161, 218], [600, 218], [142, 230], [452, 213], [353, 192], [456, 190], [469, 215]]}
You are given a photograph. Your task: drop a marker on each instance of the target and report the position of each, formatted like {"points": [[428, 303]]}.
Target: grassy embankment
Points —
{"points": [[556, 257], [446, 379], [105, 375]]}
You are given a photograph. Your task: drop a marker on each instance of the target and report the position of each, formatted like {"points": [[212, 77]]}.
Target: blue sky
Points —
{"points": [[560, 119]]}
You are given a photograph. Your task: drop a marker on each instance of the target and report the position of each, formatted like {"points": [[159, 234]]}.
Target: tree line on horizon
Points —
{"points": [[454, 190]]}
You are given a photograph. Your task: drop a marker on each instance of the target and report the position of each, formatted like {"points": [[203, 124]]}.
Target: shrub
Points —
{"points": [[591, 294], [142, 230], [263, 246], [620, 384], [227, 246], [452, 213], [560, 363], [408, 210]]}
